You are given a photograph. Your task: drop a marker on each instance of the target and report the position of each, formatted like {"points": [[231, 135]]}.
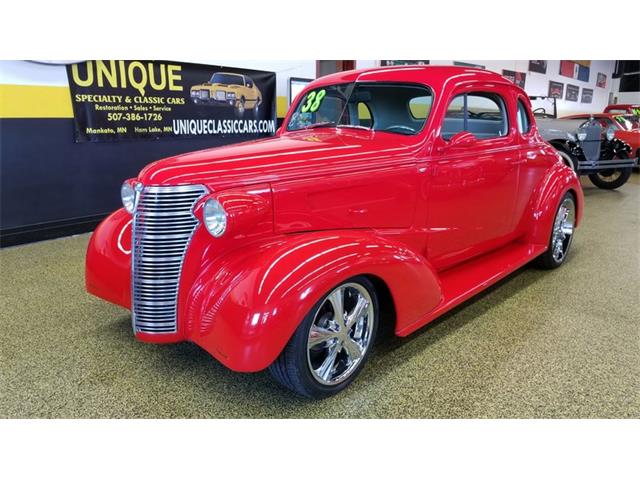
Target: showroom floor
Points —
{"points": [[564, 343]]}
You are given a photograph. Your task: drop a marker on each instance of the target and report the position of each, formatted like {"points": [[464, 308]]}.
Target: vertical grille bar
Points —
{"points": [[162, 227]]}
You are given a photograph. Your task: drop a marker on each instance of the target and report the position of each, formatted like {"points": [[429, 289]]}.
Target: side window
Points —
{"points": [[365, 119], [481, 113], [524, 123], [420, 107]]}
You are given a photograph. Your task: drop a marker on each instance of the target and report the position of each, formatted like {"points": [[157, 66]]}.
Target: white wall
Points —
{"points": [[29, 73], [538, 84]]}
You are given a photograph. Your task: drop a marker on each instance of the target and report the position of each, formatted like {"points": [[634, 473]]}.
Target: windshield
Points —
{"points": [[386, 107], [227, 79], [628, 122]]}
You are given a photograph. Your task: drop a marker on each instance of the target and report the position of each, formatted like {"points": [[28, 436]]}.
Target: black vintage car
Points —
{"points": [[586, 147]]}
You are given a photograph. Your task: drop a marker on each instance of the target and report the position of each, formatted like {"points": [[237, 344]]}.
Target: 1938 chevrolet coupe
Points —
{"points": [[389, 196]]}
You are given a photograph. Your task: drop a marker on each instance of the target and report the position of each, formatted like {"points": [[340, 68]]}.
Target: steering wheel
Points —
{"points": [[540, 110], [399, 127]]}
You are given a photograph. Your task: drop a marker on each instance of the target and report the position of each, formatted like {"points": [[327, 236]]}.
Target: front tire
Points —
{"points": [[331, 345], [561, 234]]}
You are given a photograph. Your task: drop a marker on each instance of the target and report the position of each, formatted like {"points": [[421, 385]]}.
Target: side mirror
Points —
{"points": [[462, 139]]}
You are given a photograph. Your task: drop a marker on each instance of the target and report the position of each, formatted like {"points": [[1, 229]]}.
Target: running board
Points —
{"points": [[466, 280]]}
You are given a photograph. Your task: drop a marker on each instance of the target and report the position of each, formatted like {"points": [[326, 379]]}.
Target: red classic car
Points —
{"points": [[625, 127], [389, 196]]}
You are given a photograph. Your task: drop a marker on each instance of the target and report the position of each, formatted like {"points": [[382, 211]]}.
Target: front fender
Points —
{"points": [[108, 259], [244, 307]]}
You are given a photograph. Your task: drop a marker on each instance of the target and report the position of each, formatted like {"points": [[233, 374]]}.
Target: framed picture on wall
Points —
{"points": [[473, 65], [587, 95], [518, 78], [576, 69], [392, 63], [296, 85], [573, 91], [601, 80], [538, 66], [556, 89]]}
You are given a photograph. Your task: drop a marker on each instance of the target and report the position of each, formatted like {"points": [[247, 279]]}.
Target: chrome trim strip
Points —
{"points": [[162, 227]]}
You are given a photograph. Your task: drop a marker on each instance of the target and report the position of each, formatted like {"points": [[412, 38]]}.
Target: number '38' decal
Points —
{"points": [[314, 99]]}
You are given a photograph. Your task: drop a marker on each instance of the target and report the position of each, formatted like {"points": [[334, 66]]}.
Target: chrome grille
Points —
{"points": [[162, 227], [592, 143], [220, 95]]}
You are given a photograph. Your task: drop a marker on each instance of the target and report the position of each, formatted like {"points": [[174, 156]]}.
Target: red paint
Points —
{"points": [[435, 222]]}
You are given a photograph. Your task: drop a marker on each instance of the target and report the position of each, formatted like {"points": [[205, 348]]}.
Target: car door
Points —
{"points": [[473, 178]]}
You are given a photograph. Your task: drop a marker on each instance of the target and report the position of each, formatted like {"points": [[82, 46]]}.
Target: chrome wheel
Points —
{"points": [[340, 333], [563, 229]]}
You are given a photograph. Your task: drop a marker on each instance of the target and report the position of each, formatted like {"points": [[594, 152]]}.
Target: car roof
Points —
{"points": [[433, 75]]}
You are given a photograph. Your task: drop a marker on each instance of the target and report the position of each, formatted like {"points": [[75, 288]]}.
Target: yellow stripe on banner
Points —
{"points": [[35, 101]]}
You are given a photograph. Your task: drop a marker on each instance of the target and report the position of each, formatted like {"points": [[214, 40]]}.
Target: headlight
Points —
{"points": [[610, 134], [231, 95], [215, 218], [128, 194], [582, 135]]}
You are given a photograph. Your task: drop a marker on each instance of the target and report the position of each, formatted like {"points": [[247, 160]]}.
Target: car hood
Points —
{"points": [[217, 85], [556, 128], [293, 155]]}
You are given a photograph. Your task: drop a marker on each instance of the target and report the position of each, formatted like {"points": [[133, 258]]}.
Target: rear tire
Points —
{"points": [[331, 345], [561, 234]]}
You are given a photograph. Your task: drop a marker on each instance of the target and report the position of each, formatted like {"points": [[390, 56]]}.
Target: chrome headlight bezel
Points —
{"points": [[231, 95], [214, 217], [128, 196], [610, 134]]}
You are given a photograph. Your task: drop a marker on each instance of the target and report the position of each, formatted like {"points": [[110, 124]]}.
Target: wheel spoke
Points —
{"points": [[358, 311], [319, 335], [353, 349], [336, 300], [326, 369]]}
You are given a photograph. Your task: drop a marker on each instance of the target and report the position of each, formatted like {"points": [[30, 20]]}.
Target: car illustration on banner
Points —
{"points": [[388, 197], [228, 89]]}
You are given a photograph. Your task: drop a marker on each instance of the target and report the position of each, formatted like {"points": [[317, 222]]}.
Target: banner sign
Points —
{"points": [[129, 99]]}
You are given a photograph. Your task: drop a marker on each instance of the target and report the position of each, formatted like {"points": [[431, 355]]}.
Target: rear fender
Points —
{"points": [[245, 306], [546, 198]]}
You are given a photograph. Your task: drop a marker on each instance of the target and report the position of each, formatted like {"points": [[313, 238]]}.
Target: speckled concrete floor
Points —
{"points": [[554, 344]]}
